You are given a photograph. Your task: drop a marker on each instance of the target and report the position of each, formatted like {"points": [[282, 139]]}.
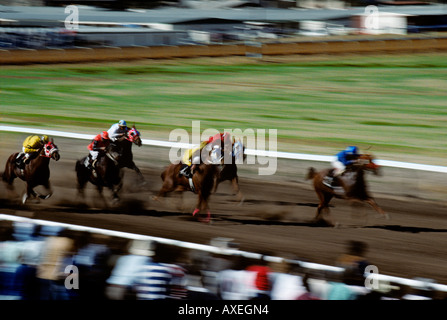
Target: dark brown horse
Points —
{"points": [[228, 169], [35, 173], [201, 183], [108, 173], [350, 186], [126, 158]]}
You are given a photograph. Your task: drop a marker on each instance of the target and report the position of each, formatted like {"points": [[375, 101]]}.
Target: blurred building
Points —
{"points": [[37, 27]]}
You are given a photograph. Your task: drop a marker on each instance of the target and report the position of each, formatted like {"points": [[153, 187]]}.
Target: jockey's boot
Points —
{"points": [[328, 180], [26, 158], [186, 171], [19, 161], [93, 167]]}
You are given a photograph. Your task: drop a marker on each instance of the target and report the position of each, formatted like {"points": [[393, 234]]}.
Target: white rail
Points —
{"points": [[278, 154]]}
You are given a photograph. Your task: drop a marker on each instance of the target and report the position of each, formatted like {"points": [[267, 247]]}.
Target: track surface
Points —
{"points": [[276, 215]]}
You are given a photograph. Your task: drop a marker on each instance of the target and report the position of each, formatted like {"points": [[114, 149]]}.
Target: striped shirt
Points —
{"points": [[157, 281]]}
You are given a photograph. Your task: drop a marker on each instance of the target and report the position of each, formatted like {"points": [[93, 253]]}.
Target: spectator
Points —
{"points": [[58, 250], [162, 278], [9, 262], [26, 280], [338, 290], [354, 263], [92, 263], [119, 284], [262, 282], [307, 295]]}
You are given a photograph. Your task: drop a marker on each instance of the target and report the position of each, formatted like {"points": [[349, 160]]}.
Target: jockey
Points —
{"points": [[187, 159], [118, 130], [32, 146], [217, 144], [214, 145], [343, 159], [98, 145]]}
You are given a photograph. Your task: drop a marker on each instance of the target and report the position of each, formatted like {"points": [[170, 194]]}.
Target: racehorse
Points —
{"points": [[352, 184], [228, 170], [108, 173], [35, 173], [201, 183], [126, 158]]}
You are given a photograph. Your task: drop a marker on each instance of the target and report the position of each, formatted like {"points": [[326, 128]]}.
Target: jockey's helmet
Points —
{"points": [[105, 135], [352, 150], [45, 139], [122, 123]]}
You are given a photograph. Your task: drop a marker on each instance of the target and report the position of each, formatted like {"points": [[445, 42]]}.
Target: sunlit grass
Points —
{"points": [[396, 104]]}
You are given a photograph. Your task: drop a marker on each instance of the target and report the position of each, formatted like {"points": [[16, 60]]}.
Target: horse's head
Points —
{"points": [[133, 135], [366, 160], [50, 150]]}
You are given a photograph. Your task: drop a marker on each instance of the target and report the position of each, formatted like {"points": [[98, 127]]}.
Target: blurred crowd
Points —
{"points": [[48, 262]]}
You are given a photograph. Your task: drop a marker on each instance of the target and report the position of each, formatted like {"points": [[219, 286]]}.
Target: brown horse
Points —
{"points": [[201, 183], [351, 185], [108, 173], [35, 173]]}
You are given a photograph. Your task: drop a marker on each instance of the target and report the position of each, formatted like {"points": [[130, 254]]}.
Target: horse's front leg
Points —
{"points": [[47, 186], [376, 207], [28, 193], [140, 175], [239, 196], [202, 205]]}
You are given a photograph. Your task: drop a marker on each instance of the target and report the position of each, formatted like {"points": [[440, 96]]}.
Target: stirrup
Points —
{"points": [[184, 172], [327, 181]]}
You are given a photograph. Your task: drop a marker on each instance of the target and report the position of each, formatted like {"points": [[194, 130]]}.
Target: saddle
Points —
{"points": [[331, 181], [21, 160]]}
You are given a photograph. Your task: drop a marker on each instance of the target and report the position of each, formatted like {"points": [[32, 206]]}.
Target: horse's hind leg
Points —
{"points": [[8, 177], [167, 187], [82, 178]]}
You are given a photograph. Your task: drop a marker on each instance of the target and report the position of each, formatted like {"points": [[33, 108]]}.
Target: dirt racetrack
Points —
{"points": [[276, 215]]}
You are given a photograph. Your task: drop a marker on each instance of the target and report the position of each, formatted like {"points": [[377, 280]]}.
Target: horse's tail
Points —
{"points": [[163, 174], [8, 175], [311, 173], [81, 173]]}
